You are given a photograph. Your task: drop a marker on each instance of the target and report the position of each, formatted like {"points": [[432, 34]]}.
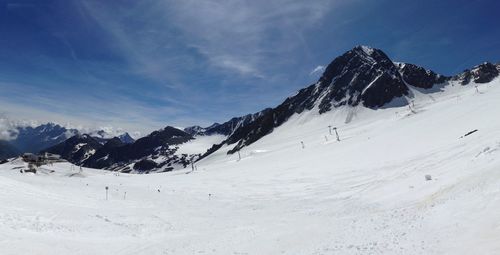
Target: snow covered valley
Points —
{"points": [[365, 194]]}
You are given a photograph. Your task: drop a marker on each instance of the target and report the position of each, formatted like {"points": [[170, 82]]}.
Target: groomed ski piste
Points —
{"points": [[399, 181]]}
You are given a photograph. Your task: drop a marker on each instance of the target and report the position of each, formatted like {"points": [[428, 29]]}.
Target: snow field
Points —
{"points": [[366, 194]]}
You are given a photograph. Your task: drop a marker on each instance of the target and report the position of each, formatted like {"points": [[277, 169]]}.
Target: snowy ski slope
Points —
{"points": [[366, 194]]}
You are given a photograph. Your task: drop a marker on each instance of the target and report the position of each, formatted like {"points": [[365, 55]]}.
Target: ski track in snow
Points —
{"points": [[366, 194]]}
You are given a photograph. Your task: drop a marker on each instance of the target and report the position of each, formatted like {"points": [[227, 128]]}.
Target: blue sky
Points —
{"points": [[142, 65]]}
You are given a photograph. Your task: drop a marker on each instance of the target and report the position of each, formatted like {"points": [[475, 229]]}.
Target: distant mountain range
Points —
{"points": [[155, 152], [361, 77], [226, 128], [34, 139], [102, 136]]}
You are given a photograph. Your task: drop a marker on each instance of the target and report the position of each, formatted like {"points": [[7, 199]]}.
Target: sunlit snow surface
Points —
{"points": [[200, 144], [366, 194]]}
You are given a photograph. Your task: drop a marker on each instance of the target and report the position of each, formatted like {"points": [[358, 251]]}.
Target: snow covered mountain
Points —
{"points": [[163, 150], [103, 136], [361, 77], [482, 73], [415, 175], [35, 139], [419, 76], [126, 138], [41, 137], [156, 152], [76, 149], [226, 128], [401, 180]]}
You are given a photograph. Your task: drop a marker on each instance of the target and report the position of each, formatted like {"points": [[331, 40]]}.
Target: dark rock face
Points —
{"points": [[233, 124], [482, 73], [145, 165], [147, 145], [7, 150], [115, 154], [212, 149], [102, 153], [196, 130], [113, 143], [361, 75], [227, 127], [76, 149], [420, 77], [161, 143]]}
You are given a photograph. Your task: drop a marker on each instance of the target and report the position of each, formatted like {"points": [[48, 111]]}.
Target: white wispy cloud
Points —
{"points": [[317, 70], [6, 128], [245, 36], [80, 110], [242, 37]]}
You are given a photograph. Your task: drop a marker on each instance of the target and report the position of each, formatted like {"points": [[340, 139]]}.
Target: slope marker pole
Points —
{"points": [[336, 134]]}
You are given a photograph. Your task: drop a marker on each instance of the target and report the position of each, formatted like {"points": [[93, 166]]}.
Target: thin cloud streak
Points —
{"points": [[317, 70], [241, 37], [90, 109], [245, 37]]}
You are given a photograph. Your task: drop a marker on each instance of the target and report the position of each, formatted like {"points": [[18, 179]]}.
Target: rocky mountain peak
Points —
{"points": [[420, 77], [126, 138], [168, 133], [195, 130], [226, 128], [360, 58], [482, 73], [76, 149], [34, 139], [362, 75], [114, 142]]}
